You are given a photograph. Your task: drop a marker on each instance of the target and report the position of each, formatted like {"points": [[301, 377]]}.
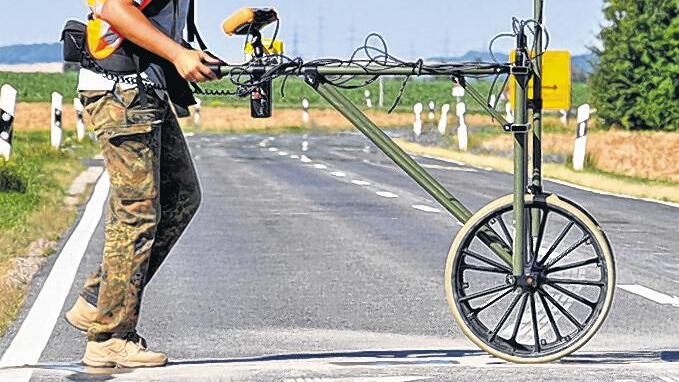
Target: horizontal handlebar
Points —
{"points": [[224, 70]]}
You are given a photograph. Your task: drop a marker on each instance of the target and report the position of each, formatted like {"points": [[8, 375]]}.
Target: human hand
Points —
{"points": [[191, 65]]}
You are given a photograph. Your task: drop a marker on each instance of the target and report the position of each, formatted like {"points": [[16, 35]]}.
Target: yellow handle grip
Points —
{"points": [[235, 23]]}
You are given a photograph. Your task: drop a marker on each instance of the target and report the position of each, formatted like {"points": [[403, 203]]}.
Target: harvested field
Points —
{"points": [[653, 156]]}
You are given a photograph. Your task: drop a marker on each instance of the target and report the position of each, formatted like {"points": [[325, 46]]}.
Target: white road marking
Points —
{"points": [[424, 208], [320, 166], [273, 149], [338, 174], [189, 135], [651, 294], [263, 143], [36, 330], [668, 379], [387, 194], [305, 159], [450, 168], [283, 153], [293, 156], [360, 182], [442, 159]]}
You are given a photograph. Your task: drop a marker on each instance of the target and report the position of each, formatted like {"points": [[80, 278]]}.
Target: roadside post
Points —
{"points": [[196, 113], [462, 134], [56, 127], [564, 117], [417, 126], [381, 98], [509, 113], [458, 93], [443, 122], [305, 112], [580, 148], [7, 109], [79, 120], [368, 100], [432, 112]]}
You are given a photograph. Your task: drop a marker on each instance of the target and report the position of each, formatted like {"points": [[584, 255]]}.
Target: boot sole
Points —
{"points": [[111, 364]]}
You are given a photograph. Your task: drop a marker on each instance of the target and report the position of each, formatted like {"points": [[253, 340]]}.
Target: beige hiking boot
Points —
{"points": [[130, 353], [82, 315]]}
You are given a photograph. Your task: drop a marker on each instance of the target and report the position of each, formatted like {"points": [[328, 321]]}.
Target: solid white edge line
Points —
{"points": [[36, 329], [564, 183]]}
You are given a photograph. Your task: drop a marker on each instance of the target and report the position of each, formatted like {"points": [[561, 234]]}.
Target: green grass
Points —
{"points": [[33, 182], [38, 87]]}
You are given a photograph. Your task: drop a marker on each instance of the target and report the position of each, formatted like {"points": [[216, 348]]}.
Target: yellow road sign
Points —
{"points": [[556, 80]]}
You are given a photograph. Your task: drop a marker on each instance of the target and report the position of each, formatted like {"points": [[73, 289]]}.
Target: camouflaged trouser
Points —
{"points": [[154, 195]]}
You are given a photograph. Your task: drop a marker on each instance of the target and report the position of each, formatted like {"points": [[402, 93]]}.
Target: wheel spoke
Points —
{"points": [[522, 310], [561, 309], [487, 261], [576, 282], [491, 302], [503, 226], [504, 318], [485, 293], [594, 260], [572, 295], [534, 318], [550, 316], [541, 232], [469, 267], [531, 250], [558, 240], [570, 249]]}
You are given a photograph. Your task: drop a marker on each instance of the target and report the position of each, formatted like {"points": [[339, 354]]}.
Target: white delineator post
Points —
{"points": [[493, 101], [443, 122], [79, 119], [458, 93], [432, 112], [368, 100], [56, 132], [417, 126], [305, 112], [580, 148], [462, 135], [564, 117], [196, 112], [8, 97], [509, 112], [381, 97]]}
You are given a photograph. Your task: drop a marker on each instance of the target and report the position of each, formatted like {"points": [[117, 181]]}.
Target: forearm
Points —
{"points": [[130, 22]]}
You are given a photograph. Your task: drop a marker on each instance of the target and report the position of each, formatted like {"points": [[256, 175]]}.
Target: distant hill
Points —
{"points": [[582, 64], [30, 53]]}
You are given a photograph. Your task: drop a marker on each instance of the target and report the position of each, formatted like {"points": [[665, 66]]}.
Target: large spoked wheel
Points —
{"points": [[556, 306]]}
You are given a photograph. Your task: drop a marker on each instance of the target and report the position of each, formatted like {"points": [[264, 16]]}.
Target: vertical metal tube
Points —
{"points": [[536, 182], [520, 159]]}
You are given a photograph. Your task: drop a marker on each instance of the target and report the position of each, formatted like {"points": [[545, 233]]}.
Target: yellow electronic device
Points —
{"points": [[271, 47], [556, 80]]}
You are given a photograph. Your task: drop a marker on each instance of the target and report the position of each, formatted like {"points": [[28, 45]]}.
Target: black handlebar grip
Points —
{"points": [[216, 69]]}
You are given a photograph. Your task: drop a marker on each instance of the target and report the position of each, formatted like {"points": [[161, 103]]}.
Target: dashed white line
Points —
{"points": [[36, 330], [651, 294], [387, 194], [360, 182], [423, 208], [282, 153], [338, 174], [305, 159], [273, 149], [320, 166], [293, 156]]}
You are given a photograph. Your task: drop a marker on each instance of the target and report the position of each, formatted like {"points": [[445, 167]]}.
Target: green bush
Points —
{"points": [[635, 83]]}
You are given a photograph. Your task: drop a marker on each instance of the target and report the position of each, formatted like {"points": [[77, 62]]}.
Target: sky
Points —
{"points": [[412, 28]]}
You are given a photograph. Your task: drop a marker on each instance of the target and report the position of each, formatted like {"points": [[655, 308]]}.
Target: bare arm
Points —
{"points": [[129, 21]]}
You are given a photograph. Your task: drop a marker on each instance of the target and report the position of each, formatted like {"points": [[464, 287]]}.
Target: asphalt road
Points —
{"points": [[299, 270]]}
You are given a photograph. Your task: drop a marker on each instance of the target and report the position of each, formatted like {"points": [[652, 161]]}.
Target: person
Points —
{"points": [[154, 186]]}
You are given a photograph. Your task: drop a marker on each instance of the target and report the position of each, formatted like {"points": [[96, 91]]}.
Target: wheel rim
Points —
{"points": [[548, 310]]}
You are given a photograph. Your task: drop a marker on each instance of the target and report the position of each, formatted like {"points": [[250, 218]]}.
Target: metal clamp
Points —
{"points": [[520, 70], [517, 127]]}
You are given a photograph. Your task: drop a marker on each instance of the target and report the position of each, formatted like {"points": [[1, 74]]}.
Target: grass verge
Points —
{"points": [[33, 185], [599, 180]]}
